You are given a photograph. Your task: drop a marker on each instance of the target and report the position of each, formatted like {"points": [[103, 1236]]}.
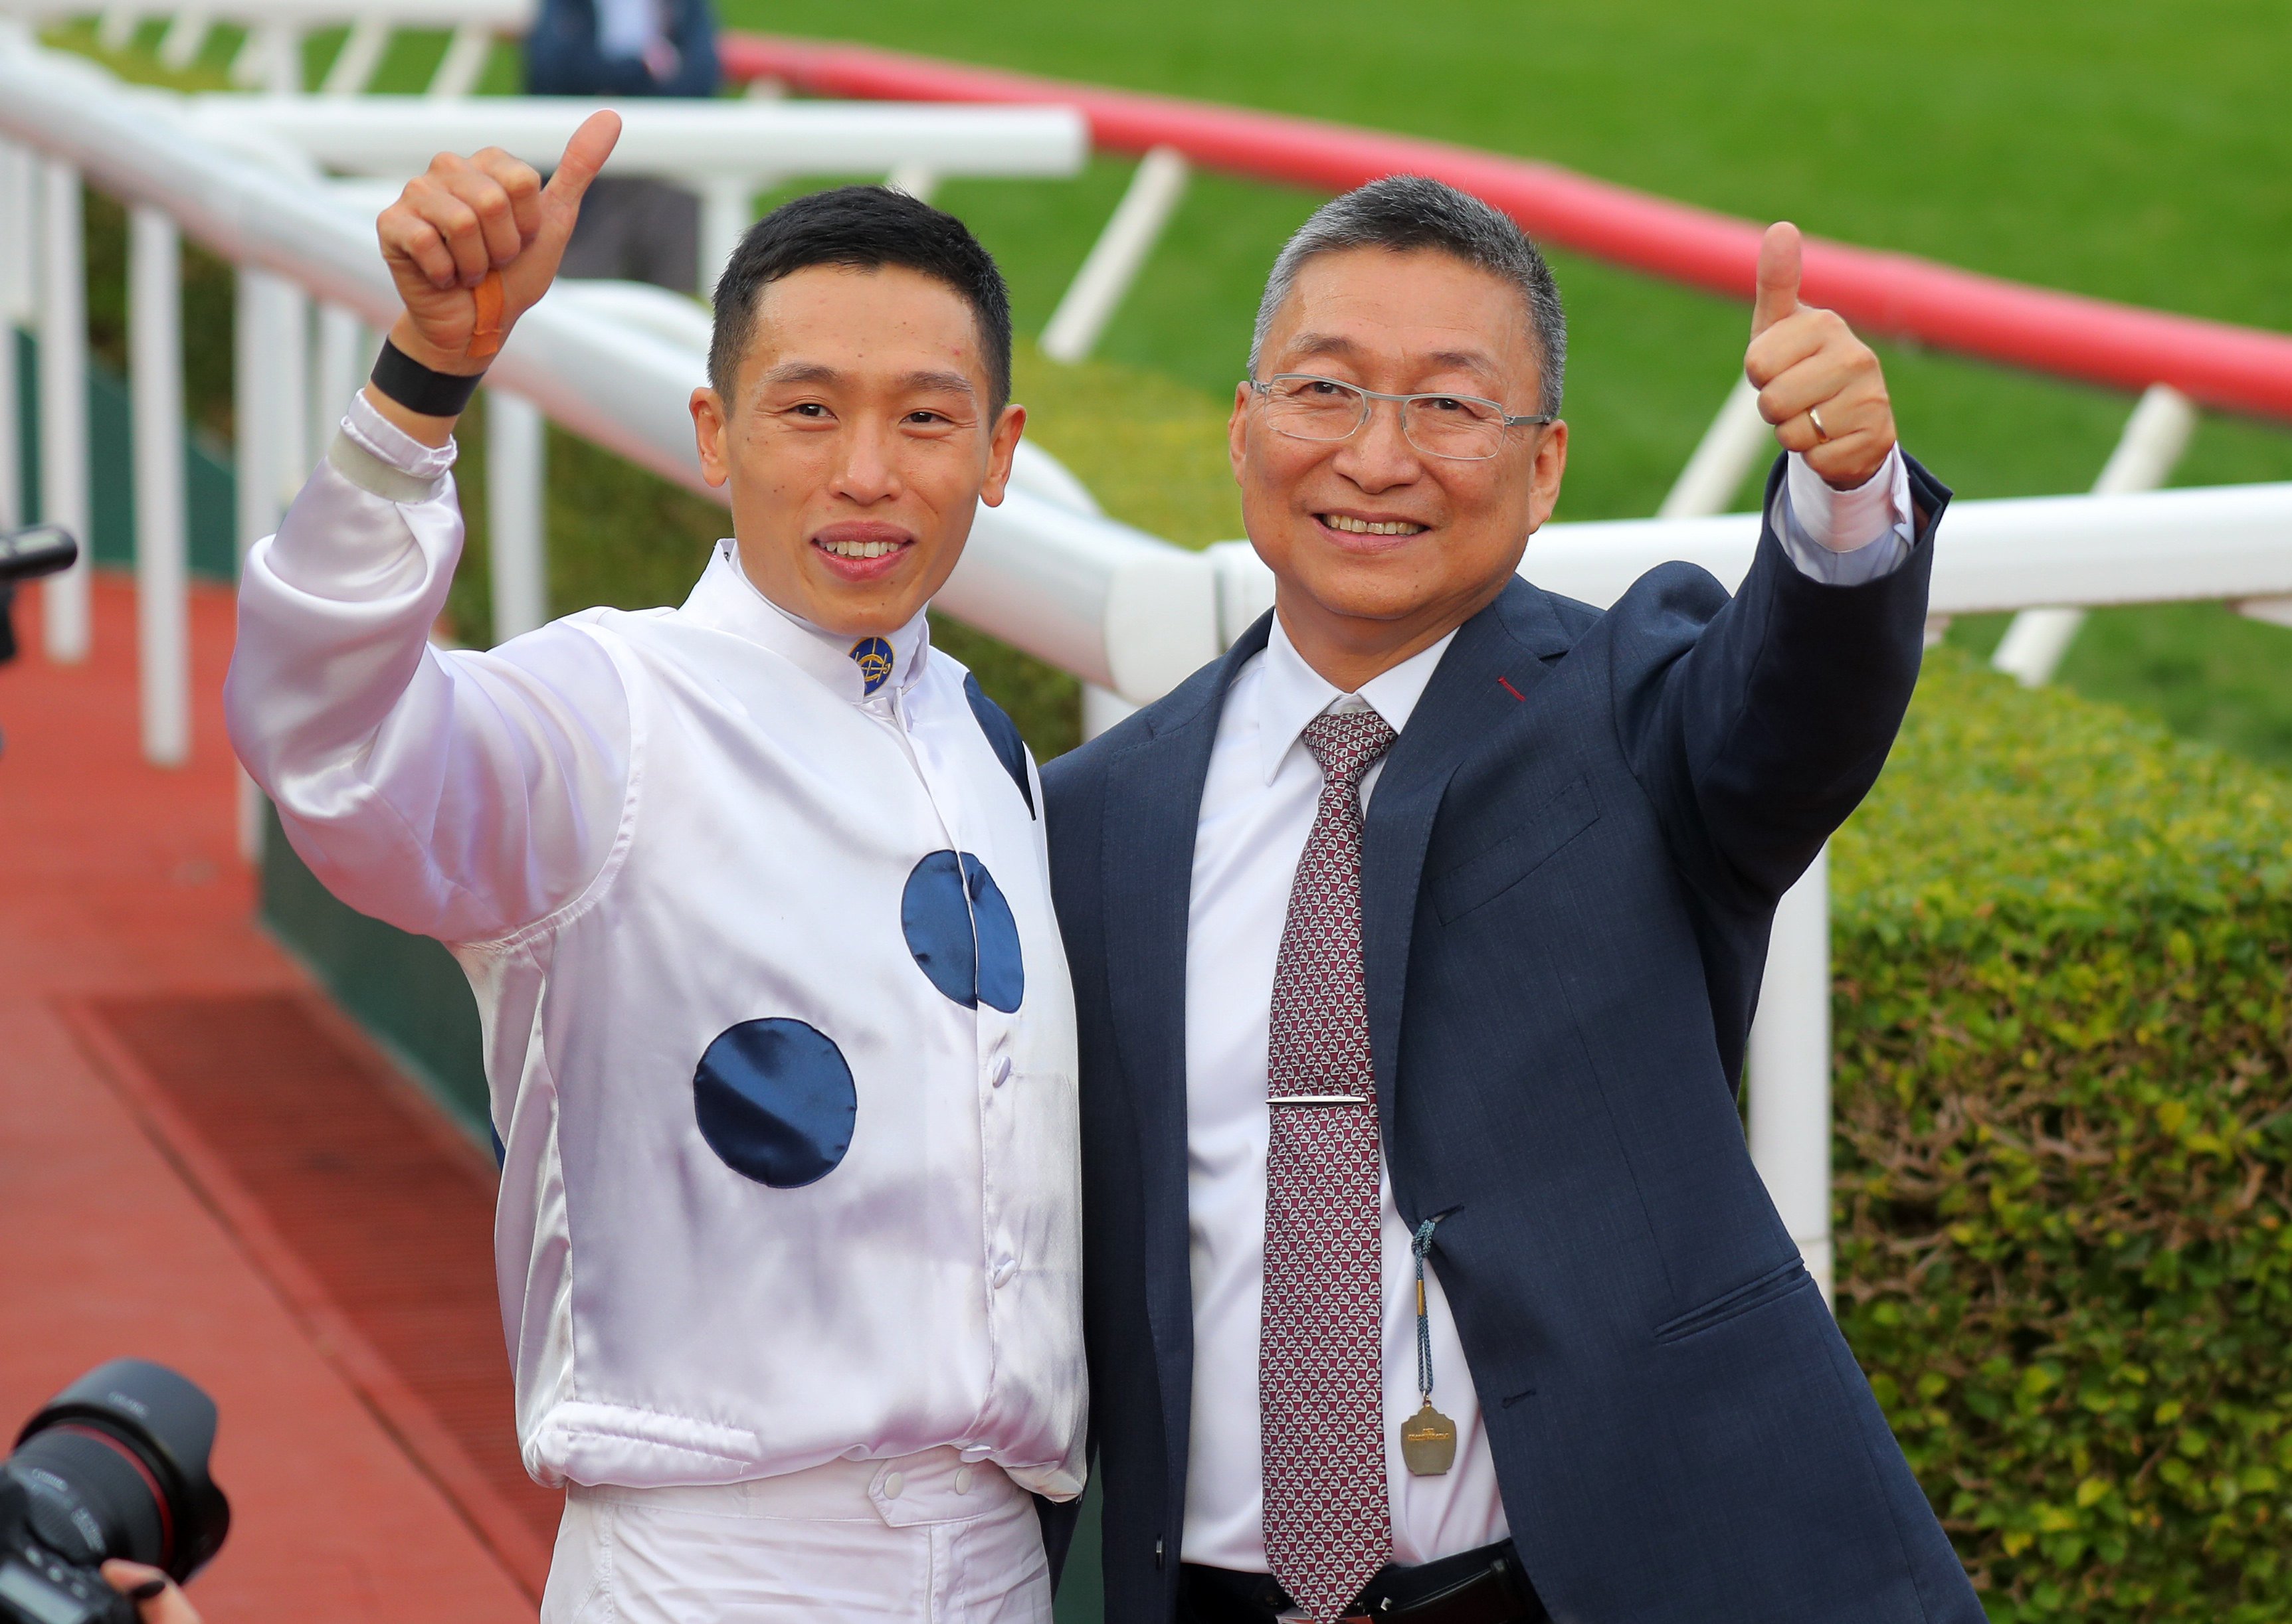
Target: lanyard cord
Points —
{"points": [[1420, 1246]]}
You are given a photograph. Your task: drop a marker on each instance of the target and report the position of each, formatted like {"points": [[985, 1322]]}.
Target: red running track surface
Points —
{"points": [[202, 1163], [2067, 335]]}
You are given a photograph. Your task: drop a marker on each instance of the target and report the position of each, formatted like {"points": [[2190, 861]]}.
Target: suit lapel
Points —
{"points": [[1153, 807], [1491, 671], [1153, 796]]}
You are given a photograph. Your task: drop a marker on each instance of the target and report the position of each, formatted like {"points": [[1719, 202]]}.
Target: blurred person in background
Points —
{"points": [[632, 227], [1415, 947]]}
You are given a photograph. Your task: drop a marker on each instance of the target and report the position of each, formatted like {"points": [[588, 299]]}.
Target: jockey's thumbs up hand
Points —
{"points": [[474, 242]]}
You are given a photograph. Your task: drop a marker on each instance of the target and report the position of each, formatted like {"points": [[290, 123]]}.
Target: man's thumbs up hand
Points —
{"points": [[1780, 254], [1818, 384], [463, 219]]}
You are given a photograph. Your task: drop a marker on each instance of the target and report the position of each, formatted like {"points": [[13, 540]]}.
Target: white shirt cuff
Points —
{"points": [[1845, 538], [353, 553], [393, 445]]}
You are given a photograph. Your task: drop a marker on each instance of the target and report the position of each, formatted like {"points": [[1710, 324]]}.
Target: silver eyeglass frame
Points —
{"points": [[1264, 389]]}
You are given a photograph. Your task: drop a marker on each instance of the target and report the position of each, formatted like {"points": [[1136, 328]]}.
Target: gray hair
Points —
{"points": [[1403, 212]]}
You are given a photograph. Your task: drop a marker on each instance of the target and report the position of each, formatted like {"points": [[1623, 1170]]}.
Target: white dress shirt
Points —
{"points": [[785, 1180], [1258, 804]]}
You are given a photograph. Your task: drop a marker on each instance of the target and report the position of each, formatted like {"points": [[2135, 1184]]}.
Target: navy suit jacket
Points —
{"points": [[1571, 862]]}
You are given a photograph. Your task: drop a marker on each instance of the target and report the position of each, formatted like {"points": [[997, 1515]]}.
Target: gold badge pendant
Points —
{"points": [[1428, 1442], [1428, 1439]]}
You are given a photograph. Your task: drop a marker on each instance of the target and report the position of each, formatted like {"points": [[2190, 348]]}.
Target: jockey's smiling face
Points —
{"points": [[860, 433]]}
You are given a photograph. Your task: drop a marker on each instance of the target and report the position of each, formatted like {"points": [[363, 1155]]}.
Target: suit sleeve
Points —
{"points": [[459, 795], [1757, 723]]}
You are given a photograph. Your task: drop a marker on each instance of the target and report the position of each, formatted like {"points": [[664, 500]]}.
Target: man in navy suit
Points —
{"points": [[1415, 944]]}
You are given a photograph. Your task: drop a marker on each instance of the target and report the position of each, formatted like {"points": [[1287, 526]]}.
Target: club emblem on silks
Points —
{"points": [[874, 658]]}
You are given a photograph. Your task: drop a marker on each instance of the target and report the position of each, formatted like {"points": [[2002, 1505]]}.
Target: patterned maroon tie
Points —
{"points": [[1321, 1372]]}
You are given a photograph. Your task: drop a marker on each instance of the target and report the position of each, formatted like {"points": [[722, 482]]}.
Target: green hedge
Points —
{"points": [[2064, 1129]]}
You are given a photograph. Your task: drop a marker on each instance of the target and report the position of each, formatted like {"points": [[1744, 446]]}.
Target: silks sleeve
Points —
{"points": [[458, 794]]}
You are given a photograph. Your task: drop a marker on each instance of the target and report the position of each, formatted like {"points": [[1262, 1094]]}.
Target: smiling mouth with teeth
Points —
{"points": [[1363, 526], [861, 549]]}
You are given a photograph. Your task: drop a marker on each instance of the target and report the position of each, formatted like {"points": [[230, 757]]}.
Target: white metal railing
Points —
{"points": [[2154, 439], [18, 278], [270, 56], [1119, 608], [1118, 255], [726, 152], [296, 241]]}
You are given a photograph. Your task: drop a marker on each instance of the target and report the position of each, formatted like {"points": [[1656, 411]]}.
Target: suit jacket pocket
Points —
{"points": [[1777, 1282], [1494, 870]]}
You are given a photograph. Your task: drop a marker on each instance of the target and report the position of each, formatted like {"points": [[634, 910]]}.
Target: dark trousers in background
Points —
{"points": [[636, 230]]}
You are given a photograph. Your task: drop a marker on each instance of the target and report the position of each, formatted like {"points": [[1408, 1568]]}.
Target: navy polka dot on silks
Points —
{"points": [[774, 1099], [960, 929]]}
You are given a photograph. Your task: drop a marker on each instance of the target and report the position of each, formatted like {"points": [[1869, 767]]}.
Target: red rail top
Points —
{"points": [[2094, 340]]}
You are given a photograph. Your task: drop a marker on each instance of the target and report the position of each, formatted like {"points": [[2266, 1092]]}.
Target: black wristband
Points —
{"points": [[422, 389]]}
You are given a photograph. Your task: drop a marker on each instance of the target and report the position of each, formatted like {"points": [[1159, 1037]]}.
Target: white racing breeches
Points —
{"points": [[922, 1538]]}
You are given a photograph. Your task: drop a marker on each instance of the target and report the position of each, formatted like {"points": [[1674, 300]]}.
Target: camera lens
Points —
{"points": [[89, 1498], [117, 1466]]}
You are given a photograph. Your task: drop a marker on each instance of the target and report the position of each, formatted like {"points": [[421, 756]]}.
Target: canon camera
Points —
{"points": [[116, 1466]]}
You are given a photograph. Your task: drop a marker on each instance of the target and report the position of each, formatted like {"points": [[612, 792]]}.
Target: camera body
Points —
{"points": [[37, 549], [38, 1586], [114, 1466], [42, 550]]}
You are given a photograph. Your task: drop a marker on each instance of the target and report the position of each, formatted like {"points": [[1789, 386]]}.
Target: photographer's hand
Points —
{"points": [[158, 1599]]}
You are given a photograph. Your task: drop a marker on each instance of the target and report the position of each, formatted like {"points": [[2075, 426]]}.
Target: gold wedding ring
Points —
{"points": [[1814, 416]]}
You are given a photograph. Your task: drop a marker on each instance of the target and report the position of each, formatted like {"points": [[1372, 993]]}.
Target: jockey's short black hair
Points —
{"points": [[867, 227]]}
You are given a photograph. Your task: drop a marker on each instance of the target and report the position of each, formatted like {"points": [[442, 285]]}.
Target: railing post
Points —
{"points": [[918, 181], [362, 53], [288, 365], [338, 368], [1734, 443], [269, 346], [1119, 254], [179, 46], [516, 450], [2154, 438], [17, 278], [155, 362], [271, 58], [270, 363], [464, 62], [727, 209], [63, 405], [1790, 1068]]}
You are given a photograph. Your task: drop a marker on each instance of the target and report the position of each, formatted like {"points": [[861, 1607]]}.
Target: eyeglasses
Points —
{"points": [[1463, 428]]}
